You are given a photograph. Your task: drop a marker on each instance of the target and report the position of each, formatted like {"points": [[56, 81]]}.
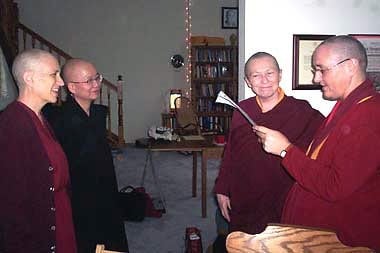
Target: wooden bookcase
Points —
{"points": [[214, 68]]}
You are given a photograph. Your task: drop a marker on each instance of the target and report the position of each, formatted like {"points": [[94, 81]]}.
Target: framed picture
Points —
{"points": [[303, 48], [230, 18], [371, 42]]}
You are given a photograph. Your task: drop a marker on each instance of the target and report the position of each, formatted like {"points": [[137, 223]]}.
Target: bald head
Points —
{"points": [[28, 60], [260, 55], [347, 47], [73, 68]]}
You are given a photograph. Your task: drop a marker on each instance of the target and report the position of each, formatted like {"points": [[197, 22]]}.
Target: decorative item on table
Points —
{"points": [[163, 133], [224, 99]]}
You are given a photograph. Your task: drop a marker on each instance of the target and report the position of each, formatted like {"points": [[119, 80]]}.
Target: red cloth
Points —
{"points": [[65, 235], [253, 179], [340, 189]]}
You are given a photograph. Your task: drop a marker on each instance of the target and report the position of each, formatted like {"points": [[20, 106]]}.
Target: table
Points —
{"points": [[206, 148]]}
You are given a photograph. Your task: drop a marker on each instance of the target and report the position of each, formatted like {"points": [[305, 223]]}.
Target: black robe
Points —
{"points": [[94, 188]]}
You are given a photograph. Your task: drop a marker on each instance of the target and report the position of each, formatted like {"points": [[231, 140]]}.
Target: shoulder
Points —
{"points": [[247, 103], [298, 105]]}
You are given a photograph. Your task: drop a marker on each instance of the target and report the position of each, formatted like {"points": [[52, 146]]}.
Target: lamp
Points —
{"points": [[222, 98], [174, 93]]}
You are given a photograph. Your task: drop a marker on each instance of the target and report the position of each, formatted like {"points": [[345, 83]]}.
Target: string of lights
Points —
{"points": [[188, 41]]}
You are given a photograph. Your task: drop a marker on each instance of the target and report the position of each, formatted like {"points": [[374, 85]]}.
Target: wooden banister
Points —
{"points": [[20, 37]]}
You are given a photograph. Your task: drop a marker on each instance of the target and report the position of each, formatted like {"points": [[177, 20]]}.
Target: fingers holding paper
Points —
{"points": [[272, 141]]}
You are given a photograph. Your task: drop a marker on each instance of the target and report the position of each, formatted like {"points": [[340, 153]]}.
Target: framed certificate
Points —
{"points": [[303, 48]]}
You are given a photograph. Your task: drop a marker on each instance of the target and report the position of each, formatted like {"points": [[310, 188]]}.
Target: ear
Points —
{"points": [[71, 87], [247, 82], [280, 75], [353, 65], [28, 77]]}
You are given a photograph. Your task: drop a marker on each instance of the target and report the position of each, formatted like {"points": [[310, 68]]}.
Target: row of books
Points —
{"points": [[211, 123], [212, 70], [213, 55], [212, 89], [209, 105]]}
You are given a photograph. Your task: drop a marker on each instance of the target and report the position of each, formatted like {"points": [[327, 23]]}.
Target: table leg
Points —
{"points": [[194, 181], [204, 183]]}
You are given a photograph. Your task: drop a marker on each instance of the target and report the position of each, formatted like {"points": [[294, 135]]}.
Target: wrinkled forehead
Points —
{"points": [[261, 64]]}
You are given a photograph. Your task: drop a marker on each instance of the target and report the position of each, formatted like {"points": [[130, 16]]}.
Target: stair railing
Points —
{"points": [[27, 38]]}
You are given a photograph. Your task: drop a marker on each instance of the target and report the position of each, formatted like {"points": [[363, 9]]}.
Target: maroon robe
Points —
{"points": [[338, 183], [35, 213], [253, 179]]}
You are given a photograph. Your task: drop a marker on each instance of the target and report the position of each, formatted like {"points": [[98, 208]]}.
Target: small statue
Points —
{"points": [[233, 39]]}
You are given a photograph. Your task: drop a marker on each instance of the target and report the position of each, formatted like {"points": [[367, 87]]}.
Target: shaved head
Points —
{"points": [[28, 60]]}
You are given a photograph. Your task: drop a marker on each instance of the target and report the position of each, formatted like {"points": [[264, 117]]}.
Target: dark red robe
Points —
{"points": [[35, 213], [338, 183], [253, 179]]}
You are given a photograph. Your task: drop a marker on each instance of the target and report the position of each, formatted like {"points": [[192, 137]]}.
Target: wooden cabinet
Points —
{"points": [[214, 68]]}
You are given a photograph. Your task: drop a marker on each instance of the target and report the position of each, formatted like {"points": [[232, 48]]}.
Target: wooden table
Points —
{"points": [[206, 148]]}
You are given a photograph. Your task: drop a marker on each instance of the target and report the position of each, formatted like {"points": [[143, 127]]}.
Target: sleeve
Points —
{"points": [[350, 159]]}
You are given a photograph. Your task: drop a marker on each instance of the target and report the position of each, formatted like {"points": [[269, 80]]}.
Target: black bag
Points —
{"points": [[132, 204]]}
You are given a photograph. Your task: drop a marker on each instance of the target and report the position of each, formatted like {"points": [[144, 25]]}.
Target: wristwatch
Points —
{"points": [[283, 153]]}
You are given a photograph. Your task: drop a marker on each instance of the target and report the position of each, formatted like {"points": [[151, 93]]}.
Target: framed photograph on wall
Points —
{"points": [[371, 42], [230, 18], [303, 48]]}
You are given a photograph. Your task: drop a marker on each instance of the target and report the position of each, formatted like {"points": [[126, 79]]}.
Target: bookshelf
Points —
{"points": [[214, 68]]}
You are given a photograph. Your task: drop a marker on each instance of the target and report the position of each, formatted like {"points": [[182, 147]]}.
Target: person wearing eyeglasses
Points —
{"points": [[80, 126], [35, 213], [252, 185], [338, 178]]}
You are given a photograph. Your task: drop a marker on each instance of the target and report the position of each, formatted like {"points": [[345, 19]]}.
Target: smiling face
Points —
{"points": [[332, 73], [83, 81], [263, 77], [46, 79]]}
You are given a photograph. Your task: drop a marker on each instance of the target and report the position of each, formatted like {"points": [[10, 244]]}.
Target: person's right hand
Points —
{"points": [[224, 205]]}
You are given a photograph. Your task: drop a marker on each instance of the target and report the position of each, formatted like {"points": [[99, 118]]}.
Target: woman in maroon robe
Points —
{"points": [[252, 185], [35, 215]]}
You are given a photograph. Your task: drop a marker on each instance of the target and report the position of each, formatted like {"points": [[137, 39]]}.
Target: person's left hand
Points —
{"points": [[273, 141]]}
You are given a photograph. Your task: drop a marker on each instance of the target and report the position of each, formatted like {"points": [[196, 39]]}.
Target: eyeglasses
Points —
{"points": [[98, 78], [258, 77], [324, 70]]}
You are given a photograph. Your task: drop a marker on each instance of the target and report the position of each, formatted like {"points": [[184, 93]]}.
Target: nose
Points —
{"points": [[264, 78], [59, 80], [317, 77]]}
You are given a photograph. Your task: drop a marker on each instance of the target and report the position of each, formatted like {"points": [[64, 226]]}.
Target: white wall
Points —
{"points": [[133, 38], [269, 26]]}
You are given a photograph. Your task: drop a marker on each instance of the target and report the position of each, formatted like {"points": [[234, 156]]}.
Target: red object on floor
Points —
{"points": [[193, 240]]}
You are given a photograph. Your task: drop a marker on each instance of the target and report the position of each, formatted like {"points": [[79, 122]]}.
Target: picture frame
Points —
{"points": [[230, 18], [303, 48], [371, 43]]}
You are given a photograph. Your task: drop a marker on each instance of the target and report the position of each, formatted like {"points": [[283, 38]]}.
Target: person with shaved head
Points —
{"points": [[35, 213], [81, 128]]}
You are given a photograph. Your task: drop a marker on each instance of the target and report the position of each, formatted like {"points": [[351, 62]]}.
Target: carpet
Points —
{"points": [[174, 172]]}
